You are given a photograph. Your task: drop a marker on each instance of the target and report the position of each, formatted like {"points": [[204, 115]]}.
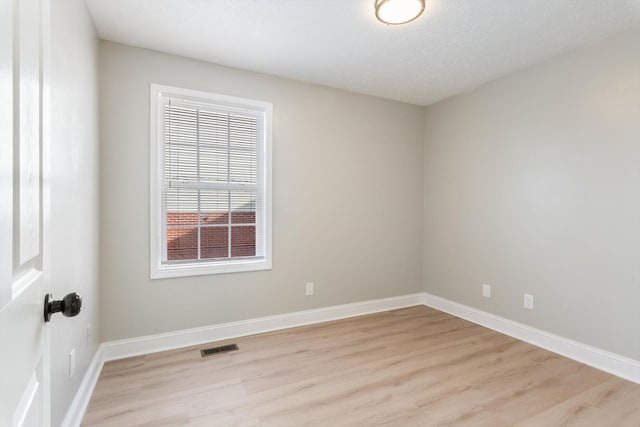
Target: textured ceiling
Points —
{"points": [[455, 46]]}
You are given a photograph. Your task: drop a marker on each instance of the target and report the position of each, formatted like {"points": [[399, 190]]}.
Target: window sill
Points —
{"points": [[164, 271]]}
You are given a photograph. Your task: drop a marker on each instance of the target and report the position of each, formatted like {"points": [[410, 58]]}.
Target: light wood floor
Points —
{"points": [[409, 367]]}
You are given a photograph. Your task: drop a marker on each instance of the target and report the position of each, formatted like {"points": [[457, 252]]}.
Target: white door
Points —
{"points": [[24, 384]]}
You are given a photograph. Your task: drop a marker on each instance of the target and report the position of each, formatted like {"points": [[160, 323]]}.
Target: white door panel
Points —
{"points": [[24, 389], [29, 133], [21, 358], [6, 149]]}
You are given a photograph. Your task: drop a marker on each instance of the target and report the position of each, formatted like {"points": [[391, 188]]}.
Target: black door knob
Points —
{"points": [[69, 306]]}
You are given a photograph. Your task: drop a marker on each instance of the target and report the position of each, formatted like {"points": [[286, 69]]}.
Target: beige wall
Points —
{"points": [[74, 193], [532, 184], [347, 199]]}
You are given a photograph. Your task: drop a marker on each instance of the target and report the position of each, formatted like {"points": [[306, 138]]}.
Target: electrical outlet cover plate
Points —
{"points": [[309, 288], [72, 363], [528, 301], [486, 291]]}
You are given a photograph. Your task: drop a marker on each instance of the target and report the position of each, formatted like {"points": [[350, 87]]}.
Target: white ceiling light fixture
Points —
{"points": [[396, 12]]}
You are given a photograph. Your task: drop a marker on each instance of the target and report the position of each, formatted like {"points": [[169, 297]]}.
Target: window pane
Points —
{"points": [[213, 138], [243, 207], [214, 128], [243, 139], [214, 163], [243, 132], [214, 206], [182, 243], [182, 206], [181, 139], [214, 242], [242, 168], [180, 162], [243, 240]]}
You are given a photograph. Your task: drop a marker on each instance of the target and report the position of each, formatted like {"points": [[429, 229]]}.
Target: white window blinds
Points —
{"points": [[213, 196]]}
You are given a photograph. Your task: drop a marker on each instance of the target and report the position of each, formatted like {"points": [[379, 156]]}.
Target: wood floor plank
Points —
{"points": [[594, 406], [410, 367]]}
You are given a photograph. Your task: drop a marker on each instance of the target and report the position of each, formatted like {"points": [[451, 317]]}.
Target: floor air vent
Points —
{"points": [[217, 350]]}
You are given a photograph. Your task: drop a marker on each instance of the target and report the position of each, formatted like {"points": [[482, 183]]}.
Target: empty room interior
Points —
{"points": [[320, 213]]}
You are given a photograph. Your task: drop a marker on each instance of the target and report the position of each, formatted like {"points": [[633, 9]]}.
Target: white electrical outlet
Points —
{"points": [[528, 301], [72, 363], [309, 288], [486, 290]]}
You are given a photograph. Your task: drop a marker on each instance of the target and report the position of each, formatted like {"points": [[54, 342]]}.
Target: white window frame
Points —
{"points": [[160, 269]]}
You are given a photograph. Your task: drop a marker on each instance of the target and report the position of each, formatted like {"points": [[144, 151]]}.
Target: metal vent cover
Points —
{"points": [[217, 350]]}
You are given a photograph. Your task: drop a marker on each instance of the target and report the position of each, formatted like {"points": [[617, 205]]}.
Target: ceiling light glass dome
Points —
{"points": [[396, 12]]}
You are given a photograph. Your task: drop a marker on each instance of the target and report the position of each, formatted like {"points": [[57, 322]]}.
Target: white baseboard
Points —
{"points": [[612, 363], [80, 402], [167, 341]]}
